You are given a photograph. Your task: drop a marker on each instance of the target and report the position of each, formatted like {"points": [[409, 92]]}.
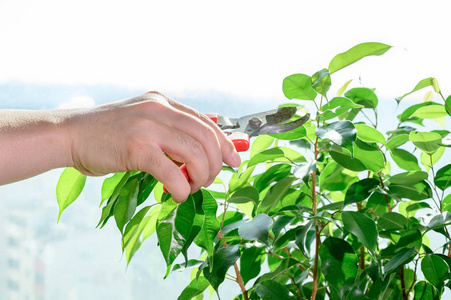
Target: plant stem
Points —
{"points": [[385, 196], [240, 281], [317, 230], [403, 283]]}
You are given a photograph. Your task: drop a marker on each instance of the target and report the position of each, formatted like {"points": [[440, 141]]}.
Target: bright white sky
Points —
{"points": [[240, 47]]}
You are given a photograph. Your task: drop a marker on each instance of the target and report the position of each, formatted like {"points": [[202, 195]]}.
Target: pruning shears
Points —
{"points": [[240, 130]]}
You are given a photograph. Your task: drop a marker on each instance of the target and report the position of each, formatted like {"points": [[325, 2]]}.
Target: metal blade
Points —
{"points": [[283, 114], [279, 128]]}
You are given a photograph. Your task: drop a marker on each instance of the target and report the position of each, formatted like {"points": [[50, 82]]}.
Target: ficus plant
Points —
{"points": [[335, 209]]}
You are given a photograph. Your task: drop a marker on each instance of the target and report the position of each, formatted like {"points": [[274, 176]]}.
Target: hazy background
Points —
{"points": [[227, 57]]}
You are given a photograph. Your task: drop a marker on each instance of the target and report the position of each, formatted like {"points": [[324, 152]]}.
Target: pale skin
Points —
{"points": [[134, 134]]}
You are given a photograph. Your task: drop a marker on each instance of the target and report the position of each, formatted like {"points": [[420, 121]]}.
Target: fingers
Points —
{"points": [[228, 151]]}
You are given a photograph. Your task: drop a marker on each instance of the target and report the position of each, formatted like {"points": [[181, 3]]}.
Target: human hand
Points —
{"points": [[135, 134]]}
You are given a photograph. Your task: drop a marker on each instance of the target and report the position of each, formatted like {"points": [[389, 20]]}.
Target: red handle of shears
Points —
{"points": [[239, 139]]}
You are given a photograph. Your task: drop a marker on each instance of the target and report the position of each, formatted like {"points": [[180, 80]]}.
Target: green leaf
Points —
{"points": [[244, 195], [413, 191], [223, 259], [435, 270], [407, 115], [362, 227], [430, 112], [428, 142], [408, 177], [338, 264], [70, 184], [392, 221], [410, 239], [428, 160], [369, 134], [363, 96], [261, 142], [420, 85], [282, 267], [366, 157], [397, 140], [343, 88], [109, 184], [126, 202], [342, 133], [448, 105], [443, 177], [321, 82], [424, 290], [196, 287], [401, 258], [273, 174], [298, 86], [210, 227], [250, 262], [301, 237], [303, 171], [197, 199], [137, 228], [404, 159], [338, 106], [174, 227], [360, 190], [276, 193], [270, 290], [280, 154], [256, 229], [355, 54], [336, 178]]}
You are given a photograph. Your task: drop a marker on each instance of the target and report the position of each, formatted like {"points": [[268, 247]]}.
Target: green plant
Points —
{"points": [[352, 217]]}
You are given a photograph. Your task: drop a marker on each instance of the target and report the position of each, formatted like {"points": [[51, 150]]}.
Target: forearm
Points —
{"points": [[32, 142]]}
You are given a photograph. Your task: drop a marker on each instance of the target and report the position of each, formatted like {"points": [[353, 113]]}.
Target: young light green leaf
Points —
{"points": [[397, 140], [69, 187], [256, 229], [338, 264], [250, 262], [429, 160], [443, 177], [321, 82], [363, 96], [420, 85], [427, 142], [109, 184], [355, 54], [362, 227], [271, 289], [282, 154], [430, 112], [369, 134], [435, 270], [223, 259], [404, 159], [298, 86], [343, 88], [261, 142]]}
